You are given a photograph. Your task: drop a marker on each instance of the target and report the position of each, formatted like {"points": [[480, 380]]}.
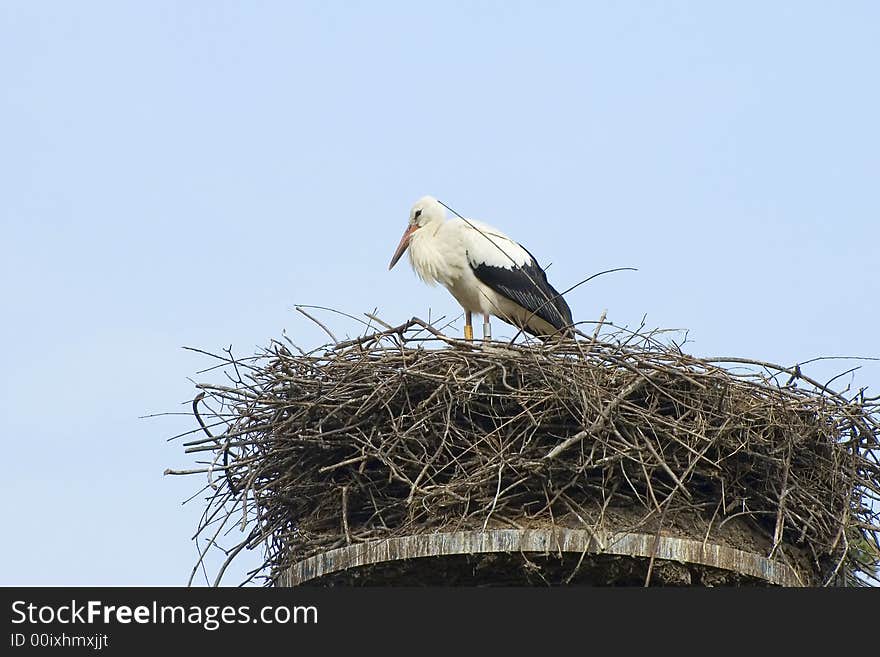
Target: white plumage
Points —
{"points": [[486, 271]]}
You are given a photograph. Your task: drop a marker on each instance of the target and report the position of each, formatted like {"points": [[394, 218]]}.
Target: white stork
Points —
{"points": [[486, 272]]}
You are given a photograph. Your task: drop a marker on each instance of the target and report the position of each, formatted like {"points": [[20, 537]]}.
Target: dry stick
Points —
{"points": [[208, 543], [195, 406], [596, 331], [779, 368], [333, 310], [576, 285], [201, 562], [600, 421], [319, 323], [342, 464], [665, 467], [843, 555], [345, 515], [495, 499], [232, 360], [169, 471], [400, 330], [780, 512], [430, 461], [232, 554], [225, 361], [377, 320], [656, 544], [711, 522]]}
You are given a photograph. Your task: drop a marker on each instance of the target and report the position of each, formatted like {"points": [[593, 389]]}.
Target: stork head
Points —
{"points": [[427, 210]]}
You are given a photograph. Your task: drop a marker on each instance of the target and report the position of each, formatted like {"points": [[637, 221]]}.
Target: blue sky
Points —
{"points": [[185, 173]]}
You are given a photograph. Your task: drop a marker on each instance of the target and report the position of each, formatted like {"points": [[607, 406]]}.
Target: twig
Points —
{"points": [[319, 323], [600, 421]]}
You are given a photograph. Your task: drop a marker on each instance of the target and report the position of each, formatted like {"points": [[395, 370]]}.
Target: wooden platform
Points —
{"points": [[547, 541]]}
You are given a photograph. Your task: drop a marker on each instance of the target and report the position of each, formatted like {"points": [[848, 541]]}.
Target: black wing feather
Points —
{"points": [[528, 287]]}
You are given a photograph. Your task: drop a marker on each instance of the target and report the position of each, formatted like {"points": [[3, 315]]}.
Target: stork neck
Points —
{"points": [[425, 255]]}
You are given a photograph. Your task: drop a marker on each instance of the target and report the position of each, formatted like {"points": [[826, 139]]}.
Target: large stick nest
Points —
{"points": [[405, 431]]}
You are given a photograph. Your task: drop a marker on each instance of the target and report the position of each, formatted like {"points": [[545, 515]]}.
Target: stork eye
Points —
{"points": [[417, 214]]}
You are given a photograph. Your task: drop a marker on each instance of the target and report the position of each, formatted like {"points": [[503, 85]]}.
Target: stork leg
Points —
{"points": [[487, 328], [468, 329]]}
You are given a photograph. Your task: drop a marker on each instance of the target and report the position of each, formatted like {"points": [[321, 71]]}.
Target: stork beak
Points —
{"points": [[404, 242]]}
